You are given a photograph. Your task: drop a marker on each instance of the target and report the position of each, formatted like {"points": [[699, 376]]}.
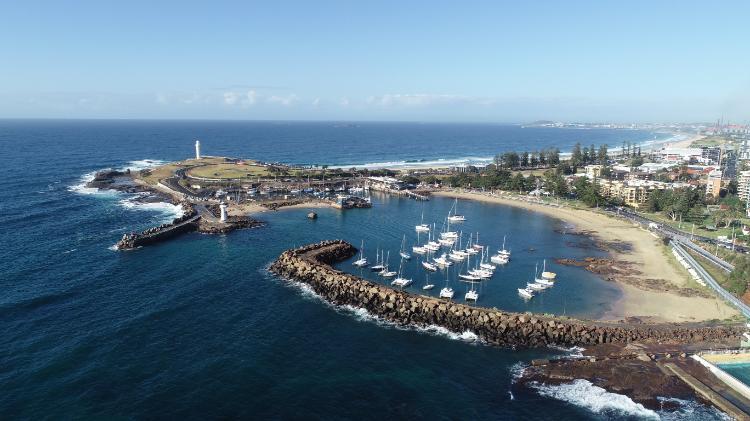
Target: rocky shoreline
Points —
{"points": [[625, 272], [629, 358], [311, 265]]}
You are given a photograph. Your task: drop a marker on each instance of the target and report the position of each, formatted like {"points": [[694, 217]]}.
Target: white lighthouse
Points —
{"points": [[223, 207], [197, 149]]}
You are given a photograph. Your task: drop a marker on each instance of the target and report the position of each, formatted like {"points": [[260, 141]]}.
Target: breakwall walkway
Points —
{"points": [[311, 264]]}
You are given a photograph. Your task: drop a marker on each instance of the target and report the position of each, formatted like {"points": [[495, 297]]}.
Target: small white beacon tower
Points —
{"points": [[197, 149], [223, 207]]}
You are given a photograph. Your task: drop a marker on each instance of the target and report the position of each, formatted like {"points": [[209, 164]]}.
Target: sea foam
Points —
{"points": [[585, 394], [363, 315]]}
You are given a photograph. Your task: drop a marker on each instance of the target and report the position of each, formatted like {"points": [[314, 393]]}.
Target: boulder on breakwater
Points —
{"points": [[311, 264]]}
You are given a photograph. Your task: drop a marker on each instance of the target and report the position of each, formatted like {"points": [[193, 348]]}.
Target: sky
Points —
{"points": [[494, 61]]}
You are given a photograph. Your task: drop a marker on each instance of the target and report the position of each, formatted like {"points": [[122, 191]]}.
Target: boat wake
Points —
{"points": [[365, 316], [585, 394]]}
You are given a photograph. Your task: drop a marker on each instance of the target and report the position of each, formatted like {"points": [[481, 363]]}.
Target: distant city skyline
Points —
{"points": [[387, 61]]}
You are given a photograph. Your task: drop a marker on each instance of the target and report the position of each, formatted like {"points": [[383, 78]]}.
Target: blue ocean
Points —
{"points": [[196, 328]]}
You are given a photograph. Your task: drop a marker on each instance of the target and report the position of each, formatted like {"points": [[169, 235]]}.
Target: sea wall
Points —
{"points": [[185, 223], [311, 264]]}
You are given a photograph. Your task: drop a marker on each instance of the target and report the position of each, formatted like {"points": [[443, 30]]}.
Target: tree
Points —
{"points": [[553, 157], [518, 182], [587, 192], [510, 160], [525, 159], [534, 161], [555, 183], [576, 158], [592, 154], [636, 161], [601, 157]]}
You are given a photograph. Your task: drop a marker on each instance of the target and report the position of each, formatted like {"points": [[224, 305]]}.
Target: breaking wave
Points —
{"points": [[594, 398], [612, 405], [130, 200]]}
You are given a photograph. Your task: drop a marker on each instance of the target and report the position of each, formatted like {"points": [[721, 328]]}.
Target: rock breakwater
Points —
{"points": [[311, 264]]}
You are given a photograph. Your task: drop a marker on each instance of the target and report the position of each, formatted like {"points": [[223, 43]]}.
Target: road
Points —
{"points": [[676, 235], [726, 295]]}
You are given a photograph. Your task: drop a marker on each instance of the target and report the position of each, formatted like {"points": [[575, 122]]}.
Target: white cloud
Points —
{"points": [[344, 102], [285, 100], [315, 102], [251, 97], [231, 98], [426, 100]]}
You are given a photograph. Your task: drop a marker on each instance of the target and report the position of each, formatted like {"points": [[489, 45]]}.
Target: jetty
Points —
{"points": [[195, 218], [312, 265]]}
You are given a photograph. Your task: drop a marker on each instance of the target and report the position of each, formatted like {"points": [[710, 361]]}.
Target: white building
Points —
{"points": [[677, 155], [743, 185]]}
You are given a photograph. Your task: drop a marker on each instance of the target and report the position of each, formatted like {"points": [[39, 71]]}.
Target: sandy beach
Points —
{"points": [[647, 254]]}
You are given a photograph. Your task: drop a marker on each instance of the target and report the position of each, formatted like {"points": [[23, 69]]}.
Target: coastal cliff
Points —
{"points": [[311, 264]]}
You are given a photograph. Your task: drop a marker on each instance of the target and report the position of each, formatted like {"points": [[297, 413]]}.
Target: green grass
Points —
{"points": [[229, 171]]}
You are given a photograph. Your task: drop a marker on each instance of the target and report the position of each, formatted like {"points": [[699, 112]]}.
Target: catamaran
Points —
{"points": [[526, 293], [404, 254], [400, 281], [471, 295], [379, 262], [446, 292], [362, 261], [455, 217]]}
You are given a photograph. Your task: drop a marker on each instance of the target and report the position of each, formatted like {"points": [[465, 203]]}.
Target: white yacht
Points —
{"points": [[483, 274], [499, 259], [419, 249], [422, 227], [526, 292], [446, 242], [427, 285], [487, 266], [471, 296], [404, 254], [362, 261], [442, 260], [503, 251], [453, 216], [535, 286], [429, 266], [469, 277], [458, 257], [400, 281], [379, 262], [446, 292]]}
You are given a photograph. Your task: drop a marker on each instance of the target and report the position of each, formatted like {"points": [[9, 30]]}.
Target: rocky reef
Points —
{"points": [[311, 264]]}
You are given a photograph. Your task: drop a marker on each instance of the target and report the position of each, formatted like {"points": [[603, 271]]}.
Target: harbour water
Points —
{"points": [[197, 328]]}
